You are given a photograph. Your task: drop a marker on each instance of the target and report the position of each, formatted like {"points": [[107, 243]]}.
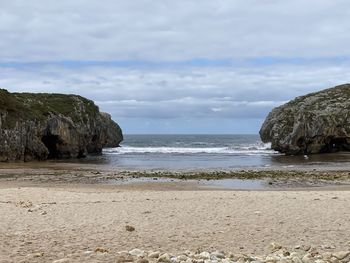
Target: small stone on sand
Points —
{"points": [[129, 228], [101, 250]]}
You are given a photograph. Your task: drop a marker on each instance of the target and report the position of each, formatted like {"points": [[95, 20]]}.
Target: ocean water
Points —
{"points": [[196, 152]]}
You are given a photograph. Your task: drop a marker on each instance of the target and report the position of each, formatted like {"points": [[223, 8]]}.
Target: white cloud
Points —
{"points": [[169, 60], [172, 30], [185, 92]]}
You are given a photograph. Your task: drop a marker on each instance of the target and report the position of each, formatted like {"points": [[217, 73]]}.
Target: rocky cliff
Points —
{"points": [[52, 126], [315, 123]]}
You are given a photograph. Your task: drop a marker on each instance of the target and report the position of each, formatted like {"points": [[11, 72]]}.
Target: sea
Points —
{"points": [[208, 152]]}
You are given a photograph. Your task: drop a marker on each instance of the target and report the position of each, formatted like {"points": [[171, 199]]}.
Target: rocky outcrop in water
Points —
{"points": [[44, 126], [315, 123]]}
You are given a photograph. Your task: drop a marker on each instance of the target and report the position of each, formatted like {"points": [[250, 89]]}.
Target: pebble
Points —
{"points": [[36, 255], [164, 258], [327, 255], [124, 259], [34, 208], [204, 255], [217, 254], [305, 247], [297, 260], [275, 246], [182, 258], [101, 250], [137, 252], [62, 260], [306, 258], [270, 259], [154, 254], [341, 254], [87, 252], [286, 253], [129, 228], [279, 254], [24, 204], [327, 247]]}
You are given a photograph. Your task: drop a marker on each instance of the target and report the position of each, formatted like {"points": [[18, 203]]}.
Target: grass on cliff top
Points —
{"points": [[340, 91], [31, 106]]}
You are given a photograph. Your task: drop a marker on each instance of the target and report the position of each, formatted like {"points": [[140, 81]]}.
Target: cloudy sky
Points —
{"points": [[185, 66]]}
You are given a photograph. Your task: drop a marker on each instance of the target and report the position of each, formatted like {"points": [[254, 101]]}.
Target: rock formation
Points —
{"points": [[52, 126], [315, 123]]}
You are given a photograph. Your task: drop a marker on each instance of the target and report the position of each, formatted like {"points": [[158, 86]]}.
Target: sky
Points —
{"points": [[185, 66]]}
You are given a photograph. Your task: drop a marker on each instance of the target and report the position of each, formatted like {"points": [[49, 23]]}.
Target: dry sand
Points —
{"points": [[55, 221]]}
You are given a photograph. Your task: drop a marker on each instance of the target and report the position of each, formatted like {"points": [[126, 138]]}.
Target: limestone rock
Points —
{"points": [[57, 126], [315, 123]]}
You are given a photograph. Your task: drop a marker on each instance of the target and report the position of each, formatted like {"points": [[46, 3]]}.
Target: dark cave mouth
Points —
{"points": [[57, 150], [330, 144], [51, 142], [337, 145]]}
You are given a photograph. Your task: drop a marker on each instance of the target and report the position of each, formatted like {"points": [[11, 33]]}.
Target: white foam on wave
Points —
{"points": [[260, 149]]}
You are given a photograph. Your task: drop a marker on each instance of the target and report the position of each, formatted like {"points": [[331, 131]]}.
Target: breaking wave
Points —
{"points": [[256, 149]]}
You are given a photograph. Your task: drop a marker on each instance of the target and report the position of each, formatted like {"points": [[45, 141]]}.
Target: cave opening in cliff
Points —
{"points": [[51, 142], [302, 145], [337, 144]]}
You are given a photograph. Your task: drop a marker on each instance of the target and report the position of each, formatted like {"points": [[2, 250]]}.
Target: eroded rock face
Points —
{"points": [[315, 123], [42, 126]]}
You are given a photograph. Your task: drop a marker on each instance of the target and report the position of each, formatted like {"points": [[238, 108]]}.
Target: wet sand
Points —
{"points": [[50, 214]]}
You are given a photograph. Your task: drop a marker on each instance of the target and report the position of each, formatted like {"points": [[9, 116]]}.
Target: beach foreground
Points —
{"points": [[93, 222]]}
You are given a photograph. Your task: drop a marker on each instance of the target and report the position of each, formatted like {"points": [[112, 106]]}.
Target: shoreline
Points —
{"points": [[58, 174]]}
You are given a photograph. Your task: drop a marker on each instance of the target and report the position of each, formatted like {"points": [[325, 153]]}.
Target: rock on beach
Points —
{"points": [[315, 123], [53, 126]]}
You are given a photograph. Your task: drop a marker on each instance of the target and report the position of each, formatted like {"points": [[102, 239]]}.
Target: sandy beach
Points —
{"points": [[82, 222]]}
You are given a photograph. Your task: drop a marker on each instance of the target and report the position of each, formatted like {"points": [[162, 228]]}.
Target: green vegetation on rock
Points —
{"points": [[36, 107]]}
